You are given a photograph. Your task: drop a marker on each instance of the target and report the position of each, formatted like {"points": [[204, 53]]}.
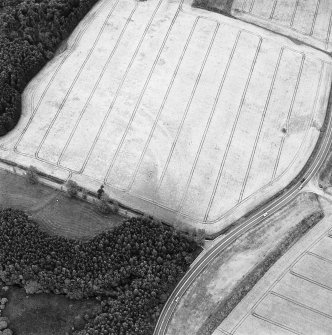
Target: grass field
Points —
{"points": [[43, 314], [187, 115], [55, 211]]}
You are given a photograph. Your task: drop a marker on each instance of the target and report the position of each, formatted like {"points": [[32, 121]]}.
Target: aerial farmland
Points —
{"points": [[181, 113], [167, 165], [294, 296]]}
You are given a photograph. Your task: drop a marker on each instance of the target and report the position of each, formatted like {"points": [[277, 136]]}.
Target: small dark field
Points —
{"points": [[55, 211], [42, 314], [219, 6]]}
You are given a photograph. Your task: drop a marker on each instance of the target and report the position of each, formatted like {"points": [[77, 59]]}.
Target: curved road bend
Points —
{"points": [[256, 218]]}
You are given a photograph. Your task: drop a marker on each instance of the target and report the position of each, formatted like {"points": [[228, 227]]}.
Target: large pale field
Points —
{"points": [[309, 21], [295, 295], [188, 115]]}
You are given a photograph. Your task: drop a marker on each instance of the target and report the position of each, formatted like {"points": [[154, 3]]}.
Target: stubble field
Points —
{"points": [[187, 115], [294, 296]]}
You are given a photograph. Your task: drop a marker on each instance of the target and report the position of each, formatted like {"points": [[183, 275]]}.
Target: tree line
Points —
{"points": [[131, 270], [30, 32]]}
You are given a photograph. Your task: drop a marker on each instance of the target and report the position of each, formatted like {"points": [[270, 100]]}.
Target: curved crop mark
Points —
{"points": [[289, 115], [261, 124]]}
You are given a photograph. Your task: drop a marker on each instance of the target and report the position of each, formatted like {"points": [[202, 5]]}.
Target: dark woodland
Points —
{"points": [[30, 32], [131, 270]]}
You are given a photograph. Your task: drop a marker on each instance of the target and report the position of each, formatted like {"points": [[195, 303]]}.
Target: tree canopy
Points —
{"points": [[131, 270], [30, 32]]}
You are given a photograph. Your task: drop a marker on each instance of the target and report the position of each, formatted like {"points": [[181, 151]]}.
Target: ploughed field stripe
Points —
{"points": [[261, 125], [169, 88], [112, 83], [118, 41], [75, 80], [288, 117], [232, 132], [106, 121], [20, 146]]}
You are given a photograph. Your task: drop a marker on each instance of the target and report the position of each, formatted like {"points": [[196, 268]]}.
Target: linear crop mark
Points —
{"points": [[75, 79], [313, 112], [243, 4], [97, 83], [35, 109], [322, 258], [232, 131], [207, 127], [261, 124], [294, 13], [314, 18], [223, 331], [312, 281], [252, 5], [76, 41], [329, 32], [187, 109], [122, 82], [304, 306], [288, 116], [162, 106], [139, 101], [273, 9], [291, 23], [256, 315]]}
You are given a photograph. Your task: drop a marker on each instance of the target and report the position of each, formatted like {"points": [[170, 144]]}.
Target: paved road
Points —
{"points": [[223, 243]]}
